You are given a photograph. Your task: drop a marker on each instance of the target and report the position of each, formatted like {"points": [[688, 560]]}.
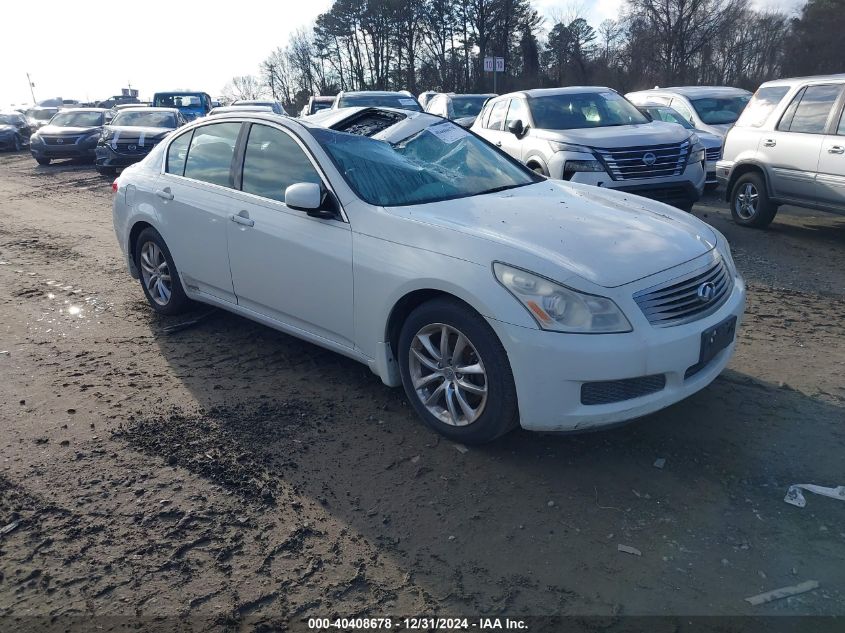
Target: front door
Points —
{"points": [[831, 176], [286, 265]]}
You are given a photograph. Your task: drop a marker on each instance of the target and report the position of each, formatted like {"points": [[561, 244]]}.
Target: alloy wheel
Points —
{"points": [[448, 374], [155, 273], [746, 201]]}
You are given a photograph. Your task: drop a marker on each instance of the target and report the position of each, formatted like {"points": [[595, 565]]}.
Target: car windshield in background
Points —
{"points": [[9, 119], [321, 106], [722, 110], [43, 115], [384, 101], [439, 162], [465, 106], [668, 115], [78, 119], [145, 119], [178, 101], [587, 110]]}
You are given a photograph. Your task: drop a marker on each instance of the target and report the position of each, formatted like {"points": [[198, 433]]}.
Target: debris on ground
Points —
{"points": [[461, 449], [184, 325], [783, 592], [11, 527], [660, 462], [627, 549], [795, 497]]}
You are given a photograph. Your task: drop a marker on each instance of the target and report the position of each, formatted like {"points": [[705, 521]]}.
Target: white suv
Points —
{"points": [[788, 147], [712, 109], [594, 136]]}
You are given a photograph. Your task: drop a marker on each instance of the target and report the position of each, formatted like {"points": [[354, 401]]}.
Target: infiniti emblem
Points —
{"points": [[649, 159], [706, 292]]}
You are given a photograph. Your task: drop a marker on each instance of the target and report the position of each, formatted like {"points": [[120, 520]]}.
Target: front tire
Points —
{"points": [[105, 171], [18, 144], [750, 203], [158, 274], [456, 372], [43, 161]]}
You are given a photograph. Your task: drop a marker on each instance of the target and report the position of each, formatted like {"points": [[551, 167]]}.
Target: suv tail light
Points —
{"points": [[114, 186]]}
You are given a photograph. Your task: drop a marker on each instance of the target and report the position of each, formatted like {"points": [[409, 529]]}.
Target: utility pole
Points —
{"points": [[31, 86]]}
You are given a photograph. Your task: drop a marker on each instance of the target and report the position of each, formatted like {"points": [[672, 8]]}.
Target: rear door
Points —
{"points": [[492, 127], [194, 199], [792, 150], [831, 176]]}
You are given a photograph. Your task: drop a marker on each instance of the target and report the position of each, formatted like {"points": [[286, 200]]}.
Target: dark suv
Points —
{"points": [[71, 133], [132, 133], [14, 131]]}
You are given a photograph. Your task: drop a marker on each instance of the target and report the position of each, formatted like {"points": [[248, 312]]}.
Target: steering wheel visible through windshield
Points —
{"points": [[438, 162]]}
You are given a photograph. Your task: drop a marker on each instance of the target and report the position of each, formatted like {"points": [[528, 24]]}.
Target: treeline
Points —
{"points": [[419, 45]]}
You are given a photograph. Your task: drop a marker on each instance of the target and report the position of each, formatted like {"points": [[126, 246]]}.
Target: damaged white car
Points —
{"points": [[496, 297]]}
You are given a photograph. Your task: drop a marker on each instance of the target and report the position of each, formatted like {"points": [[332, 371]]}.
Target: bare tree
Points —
{"points": [[246, 87]]}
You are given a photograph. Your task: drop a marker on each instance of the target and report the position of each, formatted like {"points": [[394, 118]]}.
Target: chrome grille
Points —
{"points": [[632, 163], [713, 153], [65, 140], [677, 301], [134, 147]]}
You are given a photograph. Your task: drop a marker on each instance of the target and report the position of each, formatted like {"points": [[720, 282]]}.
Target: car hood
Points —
{"points": [[618, 136], [56, 130], [719, 130], [465, 121], [606, 237], [8, 128], [708, 139], [136, 132]]}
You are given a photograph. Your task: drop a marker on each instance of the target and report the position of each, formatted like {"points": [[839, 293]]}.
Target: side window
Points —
{"points": [[497, 115], [517, 112], [789, 113], [177, 153], [274, 161], [210, 153], [812, 112], [841, 130], [683, 108]]}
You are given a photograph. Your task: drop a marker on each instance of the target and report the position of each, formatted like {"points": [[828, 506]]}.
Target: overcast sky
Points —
{"points": [[89, 51]]}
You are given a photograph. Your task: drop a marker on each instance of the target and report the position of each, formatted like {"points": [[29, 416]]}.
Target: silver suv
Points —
{"points": [[712, 109], [788, 147], [594, 136]]}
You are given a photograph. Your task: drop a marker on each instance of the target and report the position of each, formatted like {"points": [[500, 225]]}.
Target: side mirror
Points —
{"points": [[517, 128], [308, 197]]}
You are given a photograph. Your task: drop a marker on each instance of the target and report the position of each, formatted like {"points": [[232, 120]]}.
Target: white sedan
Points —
{"points": [[496, 297]]}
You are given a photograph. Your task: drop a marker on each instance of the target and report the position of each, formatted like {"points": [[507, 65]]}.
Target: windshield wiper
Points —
{"points": [[502, 188]]}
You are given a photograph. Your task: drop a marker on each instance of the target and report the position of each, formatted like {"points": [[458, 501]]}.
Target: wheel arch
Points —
{"points": [[746, 168], [134, 232]]}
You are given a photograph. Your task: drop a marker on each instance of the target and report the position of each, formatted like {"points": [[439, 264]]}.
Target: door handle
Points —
{"points": [[769, 142], [836, 149], [243, 218], [498, 143], [164, 194]]}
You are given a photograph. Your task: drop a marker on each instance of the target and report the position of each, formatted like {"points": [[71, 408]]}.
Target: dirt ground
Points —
{"points": [[229, 473]]}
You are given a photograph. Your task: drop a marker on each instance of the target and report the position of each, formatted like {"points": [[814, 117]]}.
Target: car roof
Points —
{"points": [[141, 108], [324, 98], [240, 108], [384, 93], [791, 81], [471, 94], [324, 118], [551, 92], [697, 91], [82, 109], [253, 102]]}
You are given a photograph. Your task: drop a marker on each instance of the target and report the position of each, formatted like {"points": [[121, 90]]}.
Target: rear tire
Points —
{"points": [[105, 171], [750, 203], [463, 388], [158, 275], [43, 161]]}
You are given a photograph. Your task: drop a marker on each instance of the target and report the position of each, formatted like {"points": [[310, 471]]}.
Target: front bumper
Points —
{"points": [[106, 156], [72, 150], [723, 171], [550, 368], [681, 190], [8, 141]]}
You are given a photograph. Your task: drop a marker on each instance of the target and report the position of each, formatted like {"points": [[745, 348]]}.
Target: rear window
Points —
{"points": [[762, 104], [400, 101], [178, 101]]}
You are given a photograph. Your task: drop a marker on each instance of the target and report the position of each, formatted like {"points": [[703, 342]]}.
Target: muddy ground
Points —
{"points": [[228, 473]]}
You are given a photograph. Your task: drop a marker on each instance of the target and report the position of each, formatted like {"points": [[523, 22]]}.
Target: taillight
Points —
{"points": [[114, 186]]}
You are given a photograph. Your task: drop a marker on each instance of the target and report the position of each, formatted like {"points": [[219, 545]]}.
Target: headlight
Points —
{"points": [[561, 309], [693, 139], [569, 147], [697, 154], [570, 167], [725, 252]]}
